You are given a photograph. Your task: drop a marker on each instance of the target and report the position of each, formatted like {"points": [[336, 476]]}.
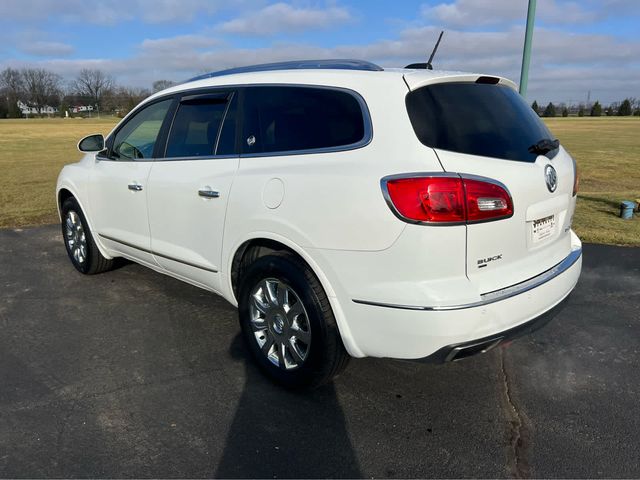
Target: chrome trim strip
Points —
{"points": [[496, 295], [151, 252], [366, 114]]}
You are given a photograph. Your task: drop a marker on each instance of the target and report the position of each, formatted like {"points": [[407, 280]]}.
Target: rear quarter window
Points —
{"points": [[477, 119], [290, 119]]}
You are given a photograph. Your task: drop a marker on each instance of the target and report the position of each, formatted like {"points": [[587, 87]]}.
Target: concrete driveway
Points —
{"points": [[134, 374]]}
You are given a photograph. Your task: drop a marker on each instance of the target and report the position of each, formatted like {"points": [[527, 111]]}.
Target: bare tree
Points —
{"points": [[11, 89], [162, 84], [124, 99], [42, 87], [93, 84]]}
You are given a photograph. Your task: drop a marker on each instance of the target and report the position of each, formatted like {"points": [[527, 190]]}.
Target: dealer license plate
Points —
{"points": [[543, 228]]}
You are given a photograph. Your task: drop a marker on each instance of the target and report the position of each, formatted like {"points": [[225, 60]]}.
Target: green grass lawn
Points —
{"points": [[607, 150]]}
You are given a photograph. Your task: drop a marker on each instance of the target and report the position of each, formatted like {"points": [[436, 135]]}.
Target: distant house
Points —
{"points": [[27, 109], [81, 108]]}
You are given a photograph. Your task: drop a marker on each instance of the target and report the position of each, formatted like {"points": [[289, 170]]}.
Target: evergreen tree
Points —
{"points": [[596, 110], [550, 111], [535, 107], [581, 111], [565, 112], [625, 108]]}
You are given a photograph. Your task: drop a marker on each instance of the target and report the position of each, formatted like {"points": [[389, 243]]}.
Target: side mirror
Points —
{"points": [[92, 143]]}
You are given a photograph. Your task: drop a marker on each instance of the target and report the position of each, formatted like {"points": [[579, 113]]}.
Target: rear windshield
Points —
{"points": [[476, 118]]}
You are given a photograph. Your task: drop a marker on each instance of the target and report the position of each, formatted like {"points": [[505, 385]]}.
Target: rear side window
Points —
{"points": [[196, 126], [295, 119], [477, 119]]}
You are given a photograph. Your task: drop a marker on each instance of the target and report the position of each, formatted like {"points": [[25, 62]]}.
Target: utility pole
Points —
{"points": [[526, 54]]}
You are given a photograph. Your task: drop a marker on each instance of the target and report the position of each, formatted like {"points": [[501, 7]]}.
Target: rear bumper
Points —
{"points": [[453, 353], [497, 295], [416, 332]]}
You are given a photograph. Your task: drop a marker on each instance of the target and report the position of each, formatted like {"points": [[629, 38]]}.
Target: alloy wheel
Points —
{"points": [[280, 323], [75, 237]]}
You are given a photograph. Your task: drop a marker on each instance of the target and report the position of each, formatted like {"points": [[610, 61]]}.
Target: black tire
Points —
{"points": [[93, 262], [326, 356]]}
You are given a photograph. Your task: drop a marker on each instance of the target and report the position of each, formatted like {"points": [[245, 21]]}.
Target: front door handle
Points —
{"points": [[206, 192], [136, 187]]}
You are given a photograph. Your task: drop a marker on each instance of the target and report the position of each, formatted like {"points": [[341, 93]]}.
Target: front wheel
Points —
{"points": [[78, 240], [287, 322]]}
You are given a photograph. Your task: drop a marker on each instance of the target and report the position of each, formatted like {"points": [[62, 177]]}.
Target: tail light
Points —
{"points": [[447, 199]]}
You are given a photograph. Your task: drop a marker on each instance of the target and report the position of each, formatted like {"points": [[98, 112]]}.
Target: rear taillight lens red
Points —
{"points": [[450, 199], [428, 199]]}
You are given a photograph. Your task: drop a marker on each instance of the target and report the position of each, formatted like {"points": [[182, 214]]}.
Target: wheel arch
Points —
{"points": [[65, 192], [263, 244]]}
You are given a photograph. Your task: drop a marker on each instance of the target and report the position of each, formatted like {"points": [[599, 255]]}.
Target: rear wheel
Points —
{"points": [[78, 241], [287, 322]]}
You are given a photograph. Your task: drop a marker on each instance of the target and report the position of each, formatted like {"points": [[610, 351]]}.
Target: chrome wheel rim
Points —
{"points": [[280, 324], [75, 237]]}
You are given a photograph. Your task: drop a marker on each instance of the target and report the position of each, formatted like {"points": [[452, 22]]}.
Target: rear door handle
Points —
{"points": [[136, 187], [206, 192]]}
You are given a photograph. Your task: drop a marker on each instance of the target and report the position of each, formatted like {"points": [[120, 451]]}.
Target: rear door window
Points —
{"points": [[196, 127], [289, 119], [478, 119]]}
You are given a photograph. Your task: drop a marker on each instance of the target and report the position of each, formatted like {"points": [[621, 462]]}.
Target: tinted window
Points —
{"points": [[284, 119], [478, 119], [196, 125], [137, 138], [227, 141]]}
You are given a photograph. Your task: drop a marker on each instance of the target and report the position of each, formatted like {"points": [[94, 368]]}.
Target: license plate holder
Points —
{"points": [[543, 228]]}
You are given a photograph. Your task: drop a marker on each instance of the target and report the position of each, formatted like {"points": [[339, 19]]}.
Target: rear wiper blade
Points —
{"points": [[544, 146]]}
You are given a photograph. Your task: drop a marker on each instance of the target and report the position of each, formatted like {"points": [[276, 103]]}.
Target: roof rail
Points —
{"points": [[296, 65]]}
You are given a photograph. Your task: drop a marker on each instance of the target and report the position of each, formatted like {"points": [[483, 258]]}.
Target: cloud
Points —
{"points": [[282, 17], [564, 65], [480, 13], [178, 45], [46, 49], [110, 12]]}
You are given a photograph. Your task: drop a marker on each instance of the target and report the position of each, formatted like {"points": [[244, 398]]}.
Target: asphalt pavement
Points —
{"points": [[134, 374]]}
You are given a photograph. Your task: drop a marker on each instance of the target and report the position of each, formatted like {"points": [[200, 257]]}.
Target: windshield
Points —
{"points": [[478, 119]]}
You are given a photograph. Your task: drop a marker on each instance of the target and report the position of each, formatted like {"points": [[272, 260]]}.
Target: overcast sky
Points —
{"points": [[578, 45]]}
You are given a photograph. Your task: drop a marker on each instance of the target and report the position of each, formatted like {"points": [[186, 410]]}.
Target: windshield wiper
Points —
{"points": [[544, 146]]}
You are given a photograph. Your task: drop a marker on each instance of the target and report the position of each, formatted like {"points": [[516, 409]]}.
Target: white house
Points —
{"points": [[29, 110]]}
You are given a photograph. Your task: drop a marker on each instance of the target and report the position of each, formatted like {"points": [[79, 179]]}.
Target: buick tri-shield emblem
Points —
{"points": [[551, 177]]}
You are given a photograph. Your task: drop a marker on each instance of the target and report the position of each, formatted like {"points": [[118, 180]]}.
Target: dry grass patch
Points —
{"points": [[607, 150], [32, 152]]}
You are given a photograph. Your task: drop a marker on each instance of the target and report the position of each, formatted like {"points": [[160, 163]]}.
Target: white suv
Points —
{"points": [[346, 210]]}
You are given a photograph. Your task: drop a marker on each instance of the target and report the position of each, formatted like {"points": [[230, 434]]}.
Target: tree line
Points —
{"points": [[45, 93], [628, 107]]}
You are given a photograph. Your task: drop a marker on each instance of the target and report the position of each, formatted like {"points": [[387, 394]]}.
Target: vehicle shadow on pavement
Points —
{"points": [[280, 433]]}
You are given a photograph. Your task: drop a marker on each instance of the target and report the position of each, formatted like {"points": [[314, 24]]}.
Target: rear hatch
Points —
{"points": [[484, 128]]}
